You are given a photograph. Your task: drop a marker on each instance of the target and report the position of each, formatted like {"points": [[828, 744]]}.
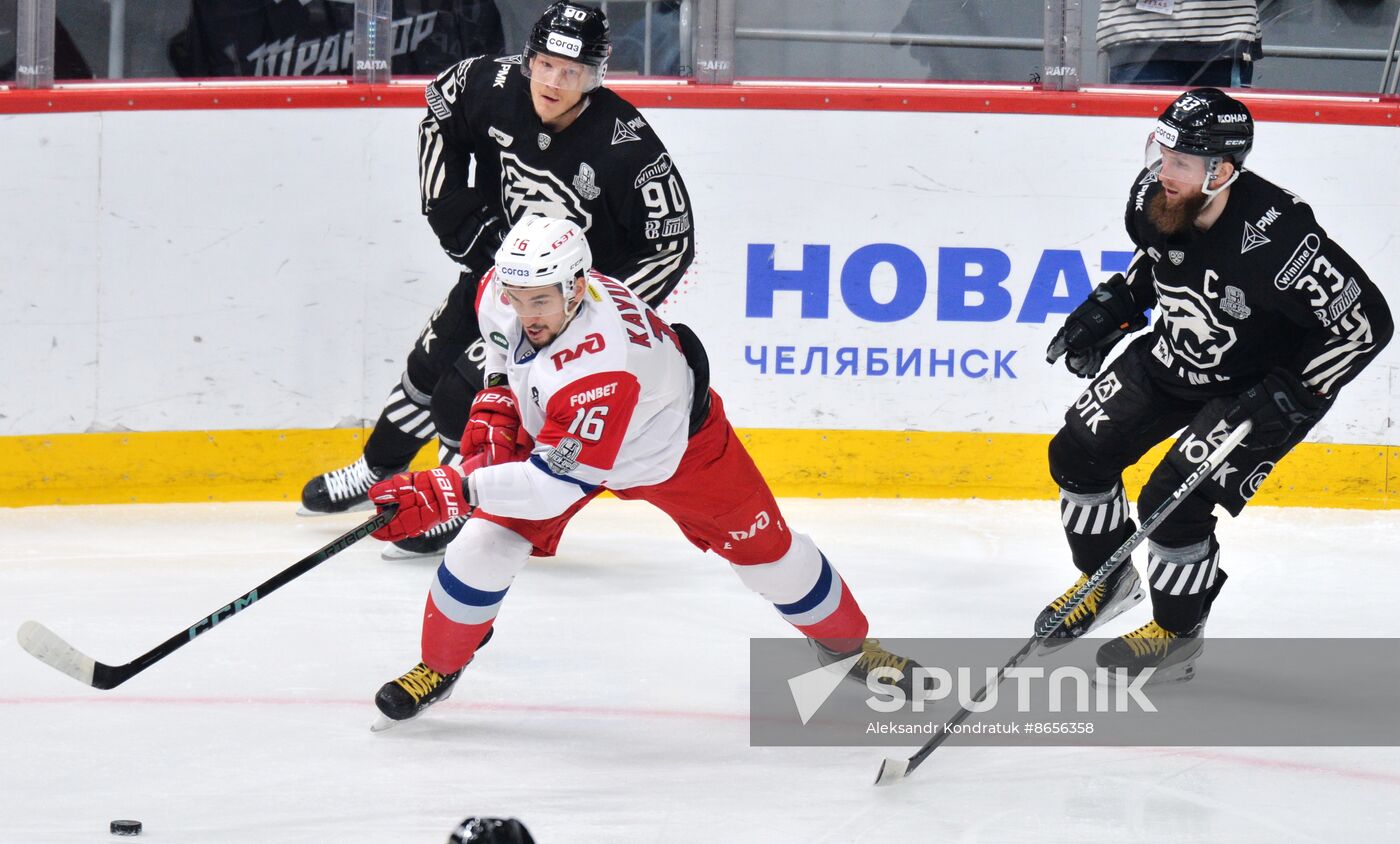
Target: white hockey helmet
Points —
{"points": [[543, 252]]}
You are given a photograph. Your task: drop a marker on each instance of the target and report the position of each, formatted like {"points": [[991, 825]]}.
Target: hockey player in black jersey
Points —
{"points": [[503, 139], [1260, 316]]}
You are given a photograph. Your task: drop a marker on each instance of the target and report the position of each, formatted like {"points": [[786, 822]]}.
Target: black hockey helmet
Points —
{"points": [[1207, 122], [476, 830], [572, 31]]}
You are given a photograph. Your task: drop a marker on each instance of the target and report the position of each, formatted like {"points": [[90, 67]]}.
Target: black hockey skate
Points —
{"points": [[872, 656], [343, 490], [1172, 656], [431, 545], [405, 698], [1107, 600]]}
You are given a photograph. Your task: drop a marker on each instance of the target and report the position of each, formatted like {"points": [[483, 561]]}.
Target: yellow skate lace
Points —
{"points": [[419, 681], [873, 656], [1151, 638], [1090, 604]]}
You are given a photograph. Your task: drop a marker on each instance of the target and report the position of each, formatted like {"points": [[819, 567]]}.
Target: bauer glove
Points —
{"points": [[493, 428], [425, 499]]}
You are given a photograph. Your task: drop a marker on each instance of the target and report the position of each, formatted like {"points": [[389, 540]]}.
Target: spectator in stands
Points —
{"points": [[314, 37], [1180, 42]]}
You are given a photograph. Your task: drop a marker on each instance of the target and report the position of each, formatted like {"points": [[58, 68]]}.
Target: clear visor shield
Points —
{"points": [[558, 72], [533, 302], [1179, 167]]}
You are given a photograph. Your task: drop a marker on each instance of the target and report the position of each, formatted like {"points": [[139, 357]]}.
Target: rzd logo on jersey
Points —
{"points": [[762, 521], [592, 343], [526, 192], [1196, 333]]}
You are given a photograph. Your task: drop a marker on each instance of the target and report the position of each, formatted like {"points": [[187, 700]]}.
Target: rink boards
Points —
{"points": [[208, 303]]}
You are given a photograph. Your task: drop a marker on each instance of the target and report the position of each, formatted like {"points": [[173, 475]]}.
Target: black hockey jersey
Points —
{"points": [[607, 171], [1263, 287]]}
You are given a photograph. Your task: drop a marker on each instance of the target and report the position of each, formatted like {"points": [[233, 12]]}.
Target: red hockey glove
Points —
{"points": [[493, 428], [425, 500]]}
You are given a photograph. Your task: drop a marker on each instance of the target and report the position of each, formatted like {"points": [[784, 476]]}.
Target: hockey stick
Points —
{"points": [[46, 646], [893, 770]]}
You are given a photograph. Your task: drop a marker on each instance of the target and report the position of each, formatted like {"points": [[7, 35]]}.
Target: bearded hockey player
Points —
{"points": [[505, 139], [1260, 316], [609, 397]]}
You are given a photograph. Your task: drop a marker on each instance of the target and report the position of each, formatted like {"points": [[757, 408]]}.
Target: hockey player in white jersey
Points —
{"points": [[609, 397], [506, 138]]}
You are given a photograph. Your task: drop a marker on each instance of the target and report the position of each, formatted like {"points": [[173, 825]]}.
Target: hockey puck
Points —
{"points": [[126, 827]]}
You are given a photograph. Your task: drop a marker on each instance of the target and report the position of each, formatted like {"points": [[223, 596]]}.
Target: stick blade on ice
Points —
{"points": [[891, 771], [48, 647]]}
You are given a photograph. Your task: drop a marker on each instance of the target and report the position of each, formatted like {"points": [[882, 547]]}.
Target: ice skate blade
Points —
{"points": [[1161, 677], [395, 554], [354, 508], [1133, 599], [384, 722]]}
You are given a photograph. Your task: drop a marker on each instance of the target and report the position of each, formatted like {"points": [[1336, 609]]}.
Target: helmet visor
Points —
{"points": [[1179, 167], [559, 72], [533, 302]]}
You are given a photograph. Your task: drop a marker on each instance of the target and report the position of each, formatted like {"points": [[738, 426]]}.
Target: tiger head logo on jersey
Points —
{"points": [[1195, 331], [527, 192]]}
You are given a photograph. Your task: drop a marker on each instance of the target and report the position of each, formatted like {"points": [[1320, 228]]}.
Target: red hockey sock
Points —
{"points": [[844, 629], [449, 645]]}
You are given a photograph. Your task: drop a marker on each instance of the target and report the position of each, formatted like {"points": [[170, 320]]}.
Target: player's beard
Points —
{"points": [[1175, 216]]}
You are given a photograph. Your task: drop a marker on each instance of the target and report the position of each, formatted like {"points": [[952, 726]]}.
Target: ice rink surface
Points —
{"points": [[612, 704]]}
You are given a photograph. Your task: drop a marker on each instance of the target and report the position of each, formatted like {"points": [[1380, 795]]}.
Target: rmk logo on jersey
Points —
{"points": [[592, 343], [1195, 330], [526, 192]]}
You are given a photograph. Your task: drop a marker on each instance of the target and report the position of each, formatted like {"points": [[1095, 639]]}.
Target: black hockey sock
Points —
{"points": [[404, 425], [1184, 582], [1096, 524]]}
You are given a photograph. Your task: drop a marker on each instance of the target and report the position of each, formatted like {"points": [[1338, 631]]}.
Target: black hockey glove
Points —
{"points": [[1278, 406], [469, 230], [1093, 328]]}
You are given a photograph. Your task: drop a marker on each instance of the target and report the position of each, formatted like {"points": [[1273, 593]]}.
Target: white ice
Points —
{"points": [[612, 704]]}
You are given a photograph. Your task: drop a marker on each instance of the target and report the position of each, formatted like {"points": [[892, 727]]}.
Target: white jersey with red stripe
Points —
{"points": [[607, 401]]}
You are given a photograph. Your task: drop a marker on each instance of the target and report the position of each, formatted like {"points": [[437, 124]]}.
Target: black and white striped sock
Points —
{"points": [[1093, 514], [408, 410], [1182, 571], [1183, 582], [1095, 523]]}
